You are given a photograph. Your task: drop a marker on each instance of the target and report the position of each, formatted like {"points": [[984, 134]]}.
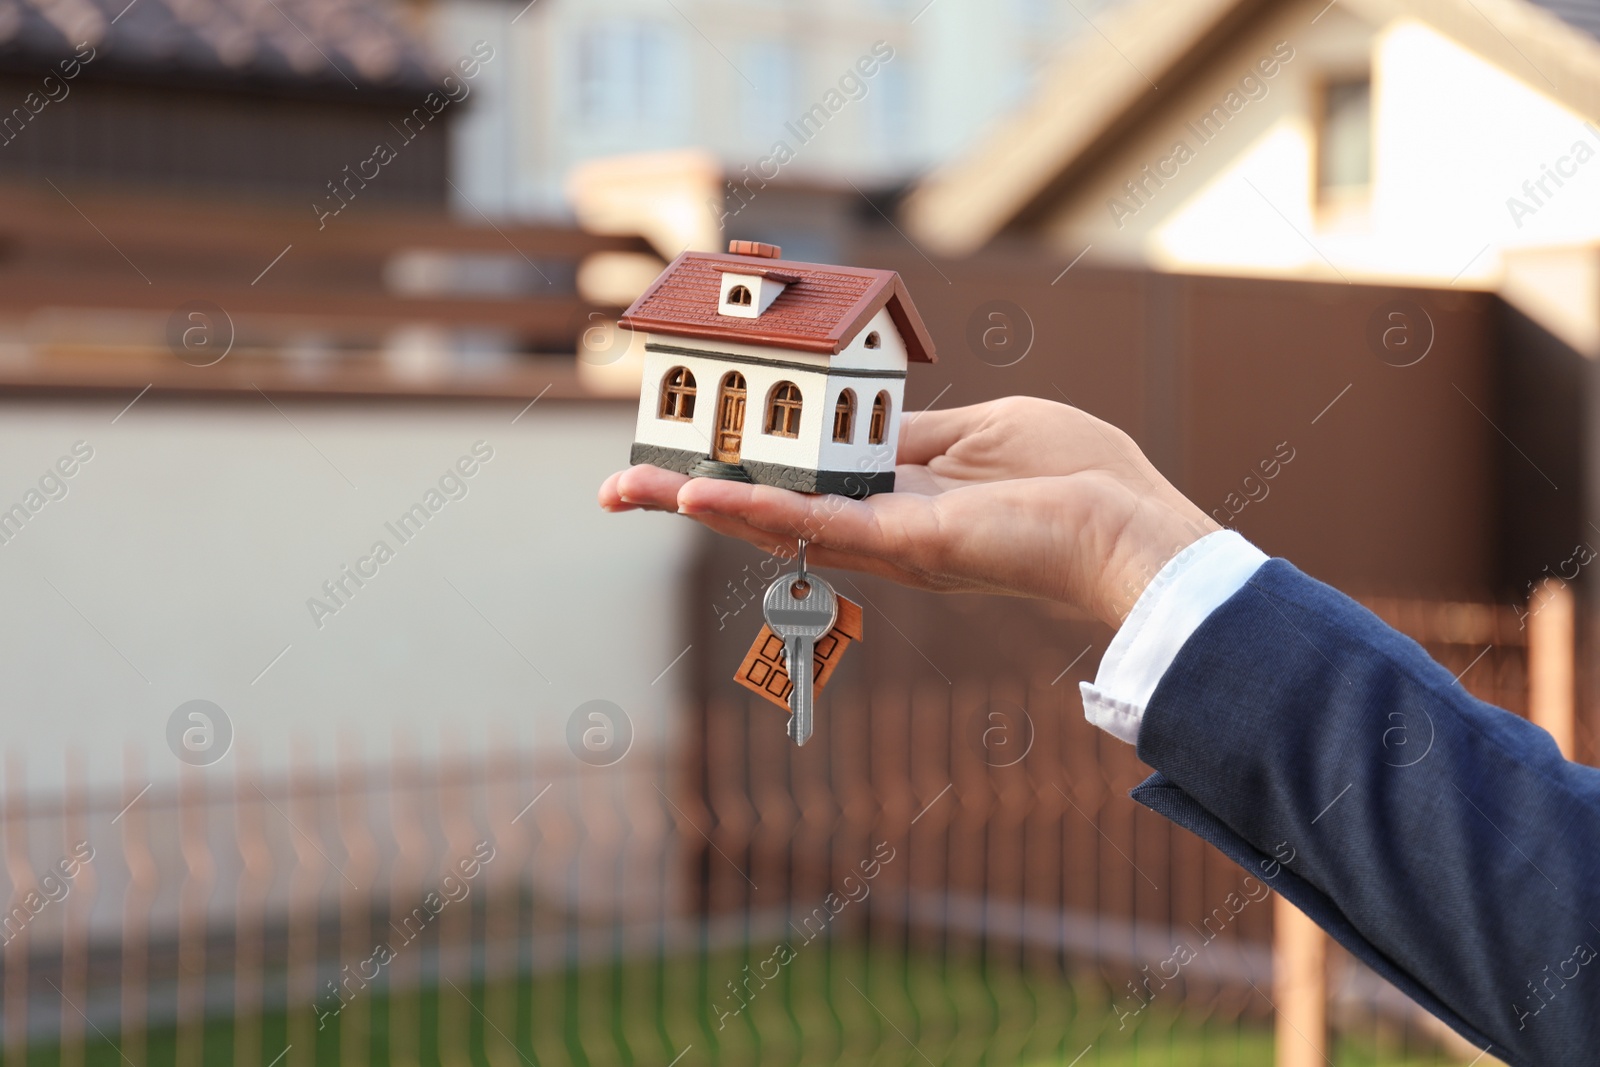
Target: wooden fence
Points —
{"points": [[523, 905]]}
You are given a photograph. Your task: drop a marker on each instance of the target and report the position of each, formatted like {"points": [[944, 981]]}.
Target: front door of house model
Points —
{"points": [[730, 419]]}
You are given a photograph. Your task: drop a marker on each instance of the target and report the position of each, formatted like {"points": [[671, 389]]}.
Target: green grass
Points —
{"points": [[829, 1005]]}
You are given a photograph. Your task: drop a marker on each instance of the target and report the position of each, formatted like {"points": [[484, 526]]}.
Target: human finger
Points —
{"points": [[929, 433], [610, 497], [830, 521], [642, 486], [819, 556]]}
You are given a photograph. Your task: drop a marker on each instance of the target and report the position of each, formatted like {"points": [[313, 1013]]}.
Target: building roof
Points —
{"points": [[1092, 96], [1584, 14], [821, 311], [341, 44]]}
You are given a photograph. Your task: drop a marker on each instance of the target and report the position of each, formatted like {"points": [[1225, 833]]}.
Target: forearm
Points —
{"points": [[1450, 835]]}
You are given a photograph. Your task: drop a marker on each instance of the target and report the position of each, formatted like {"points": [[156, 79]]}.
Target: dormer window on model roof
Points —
{"points": [[748, 291]]}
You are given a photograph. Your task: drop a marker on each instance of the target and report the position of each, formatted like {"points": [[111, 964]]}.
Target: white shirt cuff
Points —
{"points": [[1185, 592]]}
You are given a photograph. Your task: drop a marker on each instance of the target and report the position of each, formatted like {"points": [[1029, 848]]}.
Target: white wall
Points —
{"points": [[708, 371], [1455, 137], [814, 446], [1459, 138], [889, 355], [192, 540], [860, 455]]}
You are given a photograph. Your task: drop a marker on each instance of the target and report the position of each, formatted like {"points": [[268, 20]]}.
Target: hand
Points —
{"points": [[1020, 496]]}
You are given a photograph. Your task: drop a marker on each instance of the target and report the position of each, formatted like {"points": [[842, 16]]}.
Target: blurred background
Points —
{"points": [[275, 274]]}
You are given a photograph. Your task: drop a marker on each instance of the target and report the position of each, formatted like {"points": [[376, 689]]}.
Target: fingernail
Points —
{"points": [[690, 509]]}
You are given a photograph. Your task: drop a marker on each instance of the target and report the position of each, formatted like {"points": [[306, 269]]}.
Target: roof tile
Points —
{"points": [[820, 311]]}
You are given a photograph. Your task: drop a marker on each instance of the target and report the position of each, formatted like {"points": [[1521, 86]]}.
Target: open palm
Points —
{"points": [[1020, 496]]}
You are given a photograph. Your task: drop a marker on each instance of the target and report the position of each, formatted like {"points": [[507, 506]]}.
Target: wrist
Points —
{"points": [[1156, 537]]}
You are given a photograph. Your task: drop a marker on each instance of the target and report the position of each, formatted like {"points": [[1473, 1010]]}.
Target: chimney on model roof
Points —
{"points": [[755, 248]]}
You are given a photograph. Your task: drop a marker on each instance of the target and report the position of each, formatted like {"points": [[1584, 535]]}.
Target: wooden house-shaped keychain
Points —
{"points": [[763, 370]]}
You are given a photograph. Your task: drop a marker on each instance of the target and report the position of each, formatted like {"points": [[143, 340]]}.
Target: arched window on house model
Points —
{"points": [[783, 410], [739, 296], [677, 395], [844, 417], [878, 428]]}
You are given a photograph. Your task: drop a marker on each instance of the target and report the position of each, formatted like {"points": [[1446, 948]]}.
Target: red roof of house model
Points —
{"points": [[820, 310]]}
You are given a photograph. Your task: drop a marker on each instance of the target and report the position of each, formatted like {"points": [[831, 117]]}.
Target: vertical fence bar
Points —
{"points": [[1299, 987], [20, 869], [78, 904], [255, 876], [305, 895], [405, 972], [452, 790], [552, 835], [1552, 646], [143, 881], [194, 896], [356, 949], [503, 903]]}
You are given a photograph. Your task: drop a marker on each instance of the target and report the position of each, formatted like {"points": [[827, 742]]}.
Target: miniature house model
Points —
{"points": [[786, 374]]}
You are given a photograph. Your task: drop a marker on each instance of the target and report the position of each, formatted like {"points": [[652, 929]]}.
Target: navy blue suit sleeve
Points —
{"points": [[1443, 841]]}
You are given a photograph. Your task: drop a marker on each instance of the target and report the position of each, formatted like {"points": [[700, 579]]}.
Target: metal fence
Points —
{"points": [[913, 890]]}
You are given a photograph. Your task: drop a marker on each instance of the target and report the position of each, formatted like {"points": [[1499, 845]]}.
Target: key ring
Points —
{"points": [[800, 587]]}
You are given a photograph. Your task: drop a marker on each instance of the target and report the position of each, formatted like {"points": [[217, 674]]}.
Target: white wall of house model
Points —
{"points": [[865, 371]]}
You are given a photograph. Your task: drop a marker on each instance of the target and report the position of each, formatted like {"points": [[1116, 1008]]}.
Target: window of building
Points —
{"points": [[844, 417], [873, 340], [626, 75], [765, 107], [677, 395], [783, 410], [1344, 138], [739, 296], [890, 114], [878, 428]]}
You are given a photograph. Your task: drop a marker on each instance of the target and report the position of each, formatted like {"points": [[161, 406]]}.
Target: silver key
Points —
{"points": [[800, 608]]}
